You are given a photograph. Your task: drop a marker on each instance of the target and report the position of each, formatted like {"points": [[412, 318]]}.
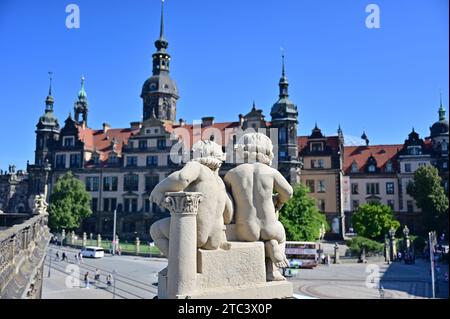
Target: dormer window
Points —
{"points": [[372, 168], [316, 147], [96, 159], [68, 141], [355, 168], [389, 167], [414, 150], [444, 146], [113, 159]]}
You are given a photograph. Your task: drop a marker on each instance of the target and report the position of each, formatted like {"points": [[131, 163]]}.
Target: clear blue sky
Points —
{"points": [[225, 54]]}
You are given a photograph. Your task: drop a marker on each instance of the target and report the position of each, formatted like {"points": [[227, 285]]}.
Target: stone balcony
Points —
{"points": [[22, 253]]}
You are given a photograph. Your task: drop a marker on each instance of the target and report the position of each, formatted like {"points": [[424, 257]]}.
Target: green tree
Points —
{"points": [[69, 203], [356, 244], [426, 188], [300, 216], [373, 220]]}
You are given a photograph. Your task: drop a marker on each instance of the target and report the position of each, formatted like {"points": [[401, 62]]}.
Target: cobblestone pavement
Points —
{"points": [[349, 281]]}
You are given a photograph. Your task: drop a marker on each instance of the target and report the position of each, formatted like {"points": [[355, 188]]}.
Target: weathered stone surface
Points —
{"points": [[266, 290], [242, 264]]}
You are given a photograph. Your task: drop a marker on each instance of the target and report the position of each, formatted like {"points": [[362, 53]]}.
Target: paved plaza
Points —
{"points": [[136, 278], [350, 280]]}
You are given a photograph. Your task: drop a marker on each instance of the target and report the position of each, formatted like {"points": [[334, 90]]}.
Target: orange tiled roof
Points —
{"points": [[360, 154]]}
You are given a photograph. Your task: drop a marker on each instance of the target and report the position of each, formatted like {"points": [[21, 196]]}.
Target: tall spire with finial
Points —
{"points": [[161, 30], [49, 101], [441, 108], [82, 93], [283, 80]]}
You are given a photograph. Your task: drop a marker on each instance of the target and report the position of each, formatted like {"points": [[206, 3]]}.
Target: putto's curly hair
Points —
{"points": [[254, 147], [208, 153]]}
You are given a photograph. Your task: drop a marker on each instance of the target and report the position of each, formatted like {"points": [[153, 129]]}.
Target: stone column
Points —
{"points": [[84, 239], [336, 253], [99, 240], [182, 268], [138, 244]]}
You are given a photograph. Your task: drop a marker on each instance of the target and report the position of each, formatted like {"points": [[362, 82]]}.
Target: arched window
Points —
{"points": [[355, 168]]}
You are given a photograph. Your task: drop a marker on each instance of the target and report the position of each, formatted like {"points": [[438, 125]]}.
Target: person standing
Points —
{"points": [[80, 257], [97, 275], [86, 280], [57, 256], [76, 259]]}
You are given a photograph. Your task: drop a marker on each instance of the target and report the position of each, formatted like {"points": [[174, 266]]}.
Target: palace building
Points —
{"points": [[121, 166]]}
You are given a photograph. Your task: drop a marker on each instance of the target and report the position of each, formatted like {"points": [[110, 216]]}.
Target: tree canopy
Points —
{"points": [[427, 190], [373, 220], [301, 218], [69, 203]]}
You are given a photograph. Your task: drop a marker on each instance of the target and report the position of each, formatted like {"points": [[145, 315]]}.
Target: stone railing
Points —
{"points": [[22, 253]]}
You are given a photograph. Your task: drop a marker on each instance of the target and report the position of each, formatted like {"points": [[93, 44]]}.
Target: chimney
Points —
{"points": [[182, 122], [135, 125], [207, 121], [106, 127], [241, 120]]}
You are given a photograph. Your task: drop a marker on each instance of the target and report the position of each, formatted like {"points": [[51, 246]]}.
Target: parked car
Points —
{"points": [[93, 252]]}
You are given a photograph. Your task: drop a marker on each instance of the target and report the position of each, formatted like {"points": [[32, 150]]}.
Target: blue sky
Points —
{"points": [[225, 54]]}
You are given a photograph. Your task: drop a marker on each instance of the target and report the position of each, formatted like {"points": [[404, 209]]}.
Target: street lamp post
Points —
{"points": [[391, 243], [406, 238], [50, 265], [114, 233]]}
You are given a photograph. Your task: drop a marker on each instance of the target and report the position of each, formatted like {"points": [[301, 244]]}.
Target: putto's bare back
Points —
{"points": [[252, 186]]}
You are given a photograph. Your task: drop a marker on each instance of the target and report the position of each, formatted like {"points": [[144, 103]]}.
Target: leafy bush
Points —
{"points": [[357, 243]]}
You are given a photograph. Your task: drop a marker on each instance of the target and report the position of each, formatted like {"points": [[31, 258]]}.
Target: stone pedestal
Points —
{"points": [[336, 254], [137, 245], [99, 240], [84, 239], [180, 280]]}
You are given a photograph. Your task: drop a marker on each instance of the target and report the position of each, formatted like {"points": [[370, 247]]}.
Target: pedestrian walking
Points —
{"points": [[64, 257], [97, 275], [57, 256], [80, 257], [109, 280], [86, 280], [76, 259]]}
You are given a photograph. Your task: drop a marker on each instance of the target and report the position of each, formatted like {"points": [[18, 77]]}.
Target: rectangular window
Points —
{"points": [[126, 205], [68, 141], [75, 160], [310, 185], [131, 182], [321, 205], [143, 144], [161, 144], [355, 190], [152, 160], [60, 161], [321, 163], [131, 161], [316, 147], [94, 204], [321, 187], [407, 167], [134, 207], [390, 188], [109, 204], [372, 188], [151, 182], [110, 183], [409, 206], [92, 183], [282, 135], [355, 204]]}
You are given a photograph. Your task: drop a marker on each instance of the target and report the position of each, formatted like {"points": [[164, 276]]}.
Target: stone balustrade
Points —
{"points": [[22, 253]]}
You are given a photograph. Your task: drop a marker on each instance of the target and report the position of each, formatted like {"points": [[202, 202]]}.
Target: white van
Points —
{"points": [[93, 252]]}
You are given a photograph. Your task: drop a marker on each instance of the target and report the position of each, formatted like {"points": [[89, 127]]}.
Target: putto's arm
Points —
{"points": [[283, 189], [175, 182], [229, 210]]}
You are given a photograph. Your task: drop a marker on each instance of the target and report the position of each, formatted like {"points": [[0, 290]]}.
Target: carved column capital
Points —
{"points": [[182, 203]]}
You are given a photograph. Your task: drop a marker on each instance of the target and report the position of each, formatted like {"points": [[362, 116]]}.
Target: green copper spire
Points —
{"points": [[49, 100], [82, 93], [441, 109]]}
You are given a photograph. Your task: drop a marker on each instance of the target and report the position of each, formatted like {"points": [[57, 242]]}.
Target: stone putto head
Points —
{"points": [[208, 153], [254, 147]]}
